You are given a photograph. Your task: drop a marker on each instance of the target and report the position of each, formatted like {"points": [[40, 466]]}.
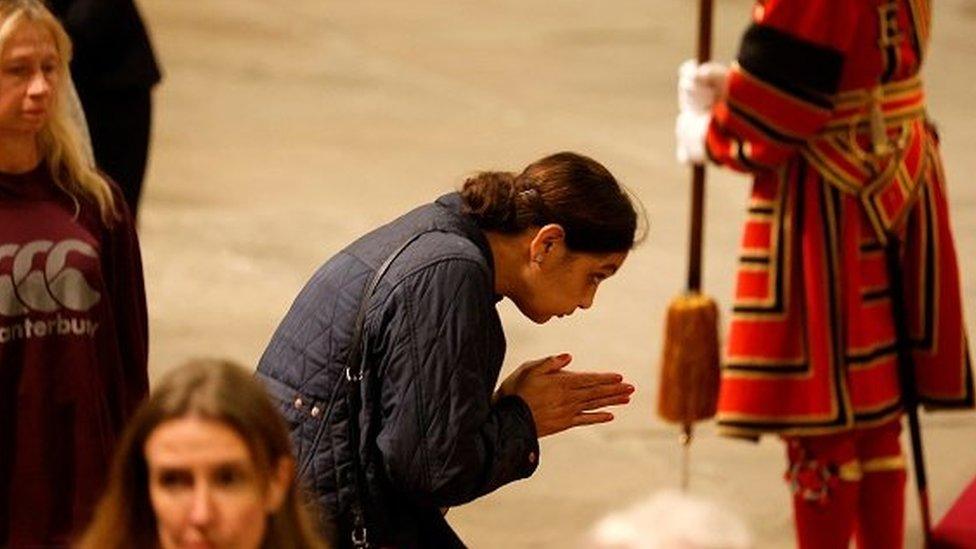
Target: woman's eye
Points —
{"points": [[175, 479], [228, 476], [16, 70]]}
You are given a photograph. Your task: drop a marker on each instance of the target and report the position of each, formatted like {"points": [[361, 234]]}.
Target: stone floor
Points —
{"points": [[286, 129]]}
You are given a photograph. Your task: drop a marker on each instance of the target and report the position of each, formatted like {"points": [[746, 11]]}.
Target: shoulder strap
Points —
{"points": [[355, 369], [354, 366]]}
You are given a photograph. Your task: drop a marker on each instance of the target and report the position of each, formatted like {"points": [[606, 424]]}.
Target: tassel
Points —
{"points": [[688, 391], [880, 144]]}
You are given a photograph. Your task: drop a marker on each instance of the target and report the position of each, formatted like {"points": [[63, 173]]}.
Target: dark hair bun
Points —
{"points": [[489, 197], [568, 189]]}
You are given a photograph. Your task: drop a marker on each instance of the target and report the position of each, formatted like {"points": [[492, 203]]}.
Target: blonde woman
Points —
{"points": [[205, 462], [72, 301]]}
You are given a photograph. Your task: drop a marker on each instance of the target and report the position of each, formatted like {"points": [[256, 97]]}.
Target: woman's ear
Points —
{"points": [[279, 484], [545, 241]]}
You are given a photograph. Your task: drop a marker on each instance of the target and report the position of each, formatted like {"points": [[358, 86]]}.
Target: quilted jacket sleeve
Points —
{"points": [[443, 441]]}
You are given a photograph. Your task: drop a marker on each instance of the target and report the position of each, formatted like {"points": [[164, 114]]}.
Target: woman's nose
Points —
{"points": [[201, 507], [39, 84], [587, 300]]}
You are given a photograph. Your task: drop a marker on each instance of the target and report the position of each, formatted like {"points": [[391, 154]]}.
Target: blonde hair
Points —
{"points": [[60, 140], [215, 390]]}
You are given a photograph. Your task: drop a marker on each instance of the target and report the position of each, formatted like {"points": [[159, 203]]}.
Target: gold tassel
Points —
{"points": [[688, 391], [880, 144]]}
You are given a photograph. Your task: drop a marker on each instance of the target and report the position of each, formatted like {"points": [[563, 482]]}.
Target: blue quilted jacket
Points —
{"points": [[430, 435]]}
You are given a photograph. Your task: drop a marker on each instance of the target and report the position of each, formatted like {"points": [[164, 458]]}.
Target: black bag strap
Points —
{"points": [[355, 370]]}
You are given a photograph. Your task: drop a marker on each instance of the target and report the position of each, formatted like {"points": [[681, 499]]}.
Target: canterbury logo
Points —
{"points": [[29, 288]]}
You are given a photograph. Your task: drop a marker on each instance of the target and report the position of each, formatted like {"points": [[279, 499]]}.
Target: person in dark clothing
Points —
{"points": [[73, 339], [114, 70], [433, 432]]}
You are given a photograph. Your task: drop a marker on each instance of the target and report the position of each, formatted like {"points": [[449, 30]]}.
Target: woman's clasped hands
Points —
{"points": [[560, 399]]}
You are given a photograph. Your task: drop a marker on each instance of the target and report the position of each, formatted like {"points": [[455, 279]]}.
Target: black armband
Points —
{"points": [[807, 71]]}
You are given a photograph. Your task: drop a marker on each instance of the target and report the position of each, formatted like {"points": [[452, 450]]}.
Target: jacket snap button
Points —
{"points": [[298, 403], [315, 411]]}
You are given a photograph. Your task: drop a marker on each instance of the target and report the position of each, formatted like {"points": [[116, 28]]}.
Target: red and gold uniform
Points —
{"points": [[826, 109]]}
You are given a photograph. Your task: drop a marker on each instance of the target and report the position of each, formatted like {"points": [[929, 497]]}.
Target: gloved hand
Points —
{"points": [[690, 129], [699, 87]]}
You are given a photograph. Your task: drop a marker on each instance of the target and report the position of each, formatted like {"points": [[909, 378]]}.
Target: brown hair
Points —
{"points": [[215, 390], [566, 188]]}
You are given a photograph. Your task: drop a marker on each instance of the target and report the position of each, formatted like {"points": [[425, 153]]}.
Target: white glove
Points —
{"points": [[689, 130], [699, 87]]}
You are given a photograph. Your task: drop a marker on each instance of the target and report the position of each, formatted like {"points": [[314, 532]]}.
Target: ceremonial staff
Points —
{"points": [[688, 390]]}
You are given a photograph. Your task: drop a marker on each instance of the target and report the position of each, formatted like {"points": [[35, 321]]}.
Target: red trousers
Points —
{"points": [[848, 484]]}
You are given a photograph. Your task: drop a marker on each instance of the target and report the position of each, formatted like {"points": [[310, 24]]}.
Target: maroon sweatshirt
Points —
{"points": [[73, 351]]}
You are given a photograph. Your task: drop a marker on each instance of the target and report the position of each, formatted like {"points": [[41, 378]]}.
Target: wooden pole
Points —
{"points": [[697, 222], [698, 170]]}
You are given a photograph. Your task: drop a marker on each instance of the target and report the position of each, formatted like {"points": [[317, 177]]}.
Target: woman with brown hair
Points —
{"points": [[73, 332], [205, 462], [386, 365]]}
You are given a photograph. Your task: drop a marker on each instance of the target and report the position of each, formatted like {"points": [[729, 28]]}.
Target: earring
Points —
{"points": [[538, 258]]}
